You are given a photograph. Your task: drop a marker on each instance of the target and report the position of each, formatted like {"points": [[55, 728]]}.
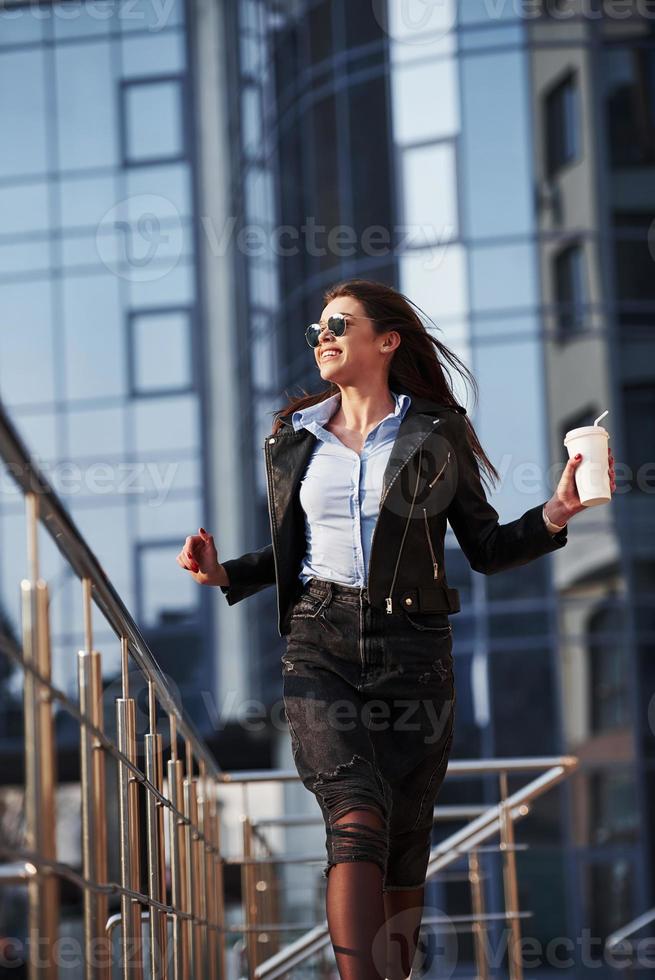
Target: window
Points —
{"points": [[160, 351], [562, 137], [24, 150], [164, 597], [614, 814], [570, 289], [152, 120], [430, 190], [630, 105], [639, 411], [634, 249], [609, 670], [607, 894]]}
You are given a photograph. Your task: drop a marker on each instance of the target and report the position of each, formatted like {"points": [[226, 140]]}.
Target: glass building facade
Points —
{"points": [[100, 331]]}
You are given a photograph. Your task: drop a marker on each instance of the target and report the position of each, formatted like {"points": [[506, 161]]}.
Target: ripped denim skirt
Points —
{"points": [[369, 699]]}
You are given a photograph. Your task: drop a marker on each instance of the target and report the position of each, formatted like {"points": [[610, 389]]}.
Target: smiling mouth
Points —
{"points": [[329, 355]]}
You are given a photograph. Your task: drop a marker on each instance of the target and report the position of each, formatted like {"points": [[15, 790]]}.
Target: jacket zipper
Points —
{"points": [[432, 482], [267, 455], [435, 564], [386, 492], [388, 600]]}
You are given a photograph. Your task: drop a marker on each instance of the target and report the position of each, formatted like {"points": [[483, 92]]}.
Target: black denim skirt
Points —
{"points": [[369, 699]]}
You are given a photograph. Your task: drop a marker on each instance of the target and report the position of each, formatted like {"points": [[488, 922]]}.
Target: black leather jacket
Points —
{"points": [[432, 477]]}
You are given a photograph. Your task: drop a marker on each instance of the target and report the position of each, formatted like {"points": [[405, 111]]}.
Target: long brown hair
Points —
{"points": [[417, 366]]}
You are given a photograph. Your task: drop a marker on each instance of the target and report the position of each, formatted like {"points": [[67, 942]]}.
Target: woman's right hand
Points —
{"points": [[200, 558]]}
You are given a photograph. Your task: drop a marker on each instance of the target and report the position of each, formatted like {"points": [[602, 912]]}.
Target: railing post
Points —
{"points": [[249, 896], [204, 854], [510, 882], [40, 761], [207, 823], [191, 814], [478, 906], [94, 854], [128, 811], [156, 845], [219, 884], [97, 949], [177, 860]]}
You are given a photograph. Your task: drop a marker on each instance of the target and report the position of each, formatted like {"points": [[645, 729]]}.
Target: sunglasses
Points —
{"points": [[337, 324]]}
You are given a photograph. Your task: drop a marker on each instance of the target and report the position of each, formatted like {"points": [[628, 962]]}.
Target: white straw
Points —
{"points": [[601, 416]]}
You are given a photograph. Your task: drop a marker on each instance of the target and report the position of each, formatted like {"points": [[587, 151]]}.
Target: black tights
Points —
{"points": [[358, 911]]}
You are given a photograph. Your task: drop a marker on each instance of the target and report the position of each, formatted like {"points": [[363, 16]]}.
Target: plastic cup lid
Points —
{"points": [[585, 430]]}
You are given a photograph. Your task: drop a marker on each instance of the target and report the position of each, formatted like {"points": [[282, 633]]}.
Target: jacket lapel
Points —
{"points": [[291, 451], [411, 432], [289, 457]]}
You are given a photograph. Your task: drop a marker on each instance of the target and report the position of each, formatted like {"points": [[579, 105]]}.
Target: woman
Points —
{"points": [[362, 478]]}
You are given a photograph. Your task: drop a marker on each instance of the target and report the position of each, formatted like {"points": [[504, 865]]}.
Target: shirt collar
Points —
{"points": [[321, 412]]}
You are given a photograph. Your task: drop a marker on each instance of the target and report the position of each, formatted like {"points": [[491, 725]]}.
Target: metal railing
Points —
{"points": [[187, 794], [622, 941], [482, 823], [177, 797]]}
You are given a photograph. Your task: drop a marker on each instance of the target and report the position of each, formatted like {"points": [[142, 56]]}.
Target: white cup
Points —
{"points": [[592, 477]]}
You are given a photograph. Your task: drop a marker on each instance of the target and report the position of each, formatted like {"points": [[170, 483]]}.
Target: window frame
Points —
{"points": [[131, 316], [555, 158], [126, 84]]}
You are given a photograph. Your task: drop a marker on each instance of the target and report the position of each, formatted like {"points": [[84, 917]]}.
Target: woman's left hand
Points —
{"points": [[565, 502]]}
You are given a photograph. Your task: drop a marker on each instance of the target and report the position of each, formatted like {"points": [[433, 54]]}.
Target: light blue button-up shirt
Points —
{"points": [[340, 492]]}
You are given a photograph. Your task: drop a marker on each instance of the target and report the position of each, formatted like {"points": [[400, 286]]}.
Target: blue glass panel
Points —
{"points": [[23, 147], [162, 350], [26, 330], [86, 115], [150, 15], [94, 344], [153, 120], [39, 431], [171, 182], [30, 256], [24, 208], [165, 424], [503, 277], [175, 286], [153, 54], [75, 19], [84, 200], [167, 589], [22, 25], [496, 141], [95, 431]]}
